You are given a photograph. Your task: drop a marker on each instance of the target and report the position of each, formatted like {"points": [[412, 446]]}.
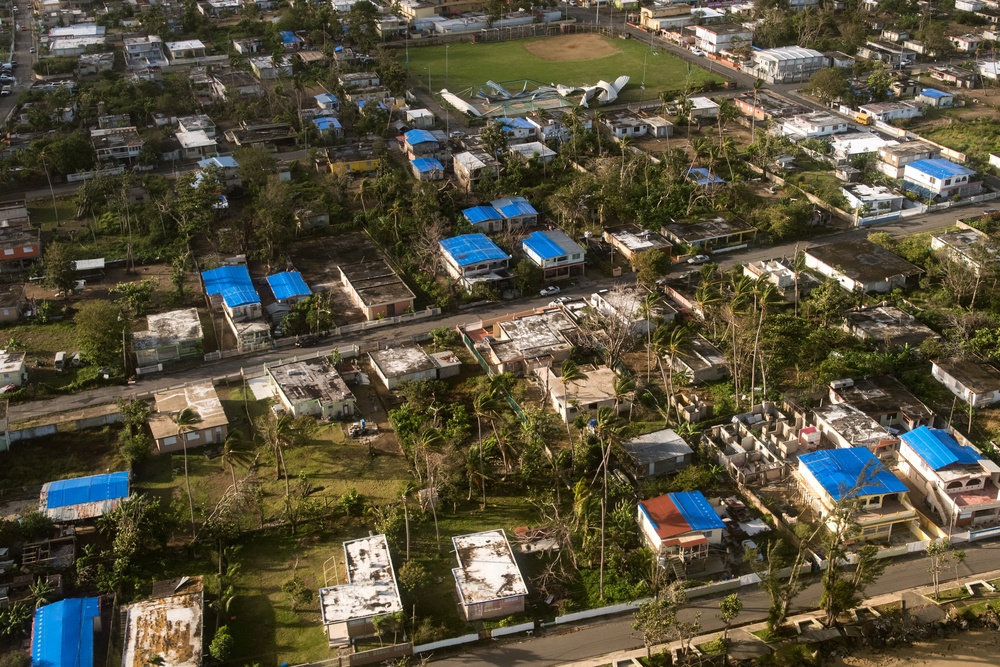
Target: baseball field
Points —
{"points": [[572, 60]]}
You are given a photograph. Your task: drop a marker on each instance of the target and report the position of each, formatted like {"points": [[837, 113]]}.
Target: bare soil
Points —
{"points": [[571, 47], [969, 648]]}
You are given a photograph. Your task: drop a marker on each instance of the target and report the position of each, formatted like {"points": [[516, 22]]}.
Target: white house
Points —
{"points": [[721, 37], [555, 253], [858, 264], [956, 481], [311, 387], [811, 125], [890, 111], [940, 179], [680, 525], [871, 200], [473, 258], [786, 64], [975, 382]]}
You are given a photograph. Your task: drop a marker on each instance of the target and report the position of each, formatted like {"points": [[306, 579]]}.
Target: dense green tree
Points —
{"points": [[134, 297], [100, 332], [222, 645], [58, 268], [827, 85], [362, 25], [311, 315]]}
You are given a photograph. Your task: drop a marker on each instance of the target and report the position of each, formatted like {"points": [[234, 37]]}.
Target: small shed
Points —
{"points": [[658, 453], [83, 497]]}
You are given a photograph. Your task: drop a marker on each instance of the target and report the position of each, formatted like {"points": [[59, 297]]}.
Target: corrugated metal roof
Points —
{"points": [[81, 490], [326, 122], [478, 214], [551, 244], [469, 249], [695, 509], [288, 285], [232, 283], [517, 123], [414, 137], [703, 176], [62, 634], [934, 94], [222, 161], [425, 164], [326, 98], [839, 470], [939, 168], [938, 448]]}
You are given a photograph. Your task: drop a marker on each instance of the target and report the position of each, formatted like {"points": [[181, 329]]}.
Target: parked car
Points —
{"points": [[560, 300], [698, 52], [699, 259], [750, 547], [5, 91], [551, 290], [306, 340]]}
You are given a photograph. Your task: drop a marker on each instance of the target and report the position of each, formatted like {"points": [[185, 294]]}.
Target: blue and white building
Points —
{"points": [[327, 102], [288, 287], [705, 178], [62, 633], [830, 476], [940, 179], [484, 218], [474, 258], [517, 212], [958, 483], [935, 98], [555, 253], [232, 286], [328, 126], [83, 498], [427, 169], [680, 525], [227, 169], [518, 130]]}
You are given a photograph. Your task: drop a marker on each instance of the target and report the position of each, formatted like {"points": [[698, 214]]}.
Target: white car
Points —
{"points": [[750, 547], [698, 52], [551, 290], [699, 259]]}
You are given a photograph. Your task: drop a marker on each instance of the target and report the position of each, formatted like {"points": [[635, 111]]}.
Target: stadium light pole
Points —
{"points": [[446, 47]]}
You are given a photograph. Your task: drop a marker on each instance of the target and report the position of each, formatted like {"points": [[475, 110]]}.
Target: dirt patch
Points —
{"points": [[571, 47], [965, 649]]}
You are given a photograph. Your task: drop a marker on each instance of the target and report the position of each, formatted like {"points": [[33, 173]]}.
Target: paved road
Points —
{"points": [[561, 647], [23, 41]]}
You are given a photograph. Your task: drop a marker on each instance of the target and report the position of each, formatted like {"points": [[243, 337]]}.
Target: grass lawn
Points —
{"points": [[474, 64], [976, 137], [59, 456]]}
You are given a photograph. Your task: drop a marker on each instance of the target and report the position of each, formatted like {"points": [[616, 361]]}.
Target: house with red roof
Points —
{"points": [[680, 525]]}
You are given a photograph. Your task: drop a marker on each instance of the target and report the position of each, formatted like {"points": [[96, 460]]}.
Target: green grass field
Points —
{"points": [[475, 64]]}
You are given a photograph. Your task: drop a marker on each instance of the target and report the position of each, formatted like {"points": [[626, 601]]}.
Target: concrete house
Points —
{"points": [[288, 287], [846, 426], [474, 258], [972, 380], [627, 306], [626, 124], [427, 169], [168, 624], [516, 212], [884, 399], [859, 265], [958, 483], [888, 325], [658, 453], [349, 610], [523, 342], [786, 64], [811, 125], [867, 201], [940, 179], [473, 166], [234, 289], [701, 361], [532, 150], [721, 37], [630, 243], [376, 289], [681, 526], [13, 369], [211, 429], [587, 395], [311, 387], [829, 476], [935, 98], [555, 253], [169, 336], [406, 362], [893, 159], [488, 580], [890, 111], [968, 246], [711, 233]]}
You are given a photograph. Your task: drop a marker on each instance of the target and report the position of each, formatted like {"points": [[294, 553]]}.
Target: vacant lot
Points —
{"points": [[572, 60]]}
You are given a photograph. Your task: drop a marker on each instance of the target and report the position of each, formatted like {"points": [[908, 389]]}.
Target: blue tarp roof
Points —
{"points": [[478, 214], [414, 137], [232, 283], [696, 511], [326, 98], [838, 470], [939, 449], [513, 207], [934, 94], [288, 285], [361, 104], [543, 245], [63, 633], [91, 489], [326, 122], [425, 164], [519, 123], [289, 37], [221, 161], [703, 176], [469, 249], [940, 168]]}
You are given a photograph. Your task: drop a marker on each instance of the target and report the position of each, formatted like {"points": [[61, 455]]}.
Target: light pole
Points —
{"points": [[642, 86], [446, 47], [429, 89]]}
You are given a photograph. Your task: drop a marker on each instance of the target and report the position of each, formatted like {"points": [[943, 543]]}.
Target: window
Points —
{"points": [[192, 435], [576, 255], [932, 180], [954, 486], [8, 251], [947, 181], [169, 440]]}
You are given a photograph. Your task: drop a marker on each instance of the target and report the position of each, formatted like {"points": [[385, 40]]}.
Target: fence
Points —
{"points": [[600, 611], [446, 643], [511, 629], [381, 654]]}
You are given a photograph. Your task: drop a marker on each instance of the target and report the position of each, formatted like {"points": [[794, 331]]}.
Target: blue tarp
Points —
{"points": [[514, 207], [696, 511], [940, 168], [469, 249], [934, 94], [414, 137], [839, 470], [63, 633], [288, 285], [478, 214], [324, 123], [289, 37], [703, 176], [939, 449], [326, 98], [542, 246], [222, 162], [88, 489], [426, 164], [232, 283], [518, 123]]}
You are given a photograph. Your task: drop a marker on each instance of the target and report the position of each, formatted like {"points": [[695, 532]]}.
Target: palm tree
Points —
{"points": [[569, 372], [484, 405], [670, 343], [798, 266], [185, 420], [647, 309], [767, 297], [608, 433], [757, 85], [235, 450], [427, 441]]}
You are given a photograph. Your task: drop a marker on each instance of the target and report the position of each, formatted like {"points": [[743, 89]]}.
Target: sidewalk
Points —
{"points": [[743, 632]]}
